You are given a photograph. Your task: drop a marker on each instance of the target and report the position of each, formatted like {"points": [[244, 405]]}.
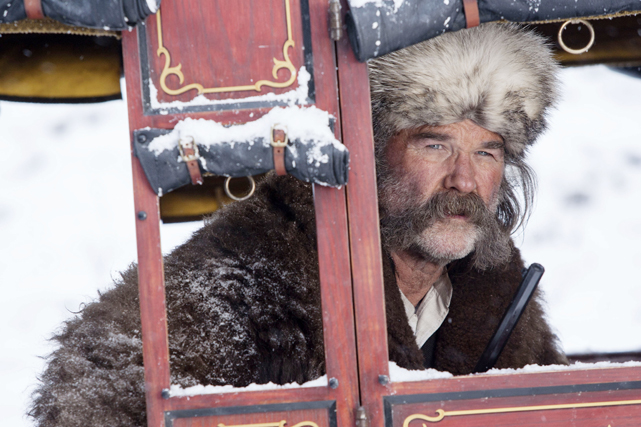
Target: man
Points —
{"points": [[452, 119]]}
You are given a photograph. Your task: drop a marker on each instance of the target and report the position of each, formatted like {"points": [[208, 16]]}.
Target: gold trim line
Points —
{"points": [[177, 70], [442, 414], [274, 424]]}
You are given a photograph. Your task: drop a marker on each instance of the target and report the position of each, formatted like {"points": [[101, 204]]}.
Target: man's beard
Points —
{"points": [[427, 230]]}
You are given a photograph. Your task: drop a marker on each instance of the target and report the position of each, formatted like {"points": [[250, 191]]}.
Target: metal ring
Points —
{"points": [[576, 21], [240, 199]]}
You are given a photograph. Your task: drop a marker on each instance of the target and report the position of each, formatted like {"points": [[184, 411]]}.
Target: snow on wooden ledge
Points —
{"points": [[305, 124], [398, 374], [178, 391], [527, 369]]}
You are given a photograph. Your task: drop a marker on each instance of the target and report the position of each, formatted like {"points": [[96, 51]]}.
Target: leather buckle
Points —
{"points": [[189, 153], [279, 141]]}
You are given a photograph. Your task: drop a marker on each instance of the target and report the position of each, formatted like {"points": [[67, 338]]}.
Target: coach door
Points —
{"points": [[235, 62], [394, 397]]}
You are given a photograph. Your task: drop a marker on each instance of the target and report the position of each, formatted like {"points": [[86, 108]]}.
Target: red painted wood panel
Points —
{"points": [[590, 409], [225, 58], [222, 44], [248, 398], [295, 418]]}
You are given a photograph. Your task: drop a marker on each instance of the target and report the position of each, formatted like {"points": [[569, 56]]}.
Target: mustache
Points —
{"points": [[452, 203], [399, 227], [442, 205]]}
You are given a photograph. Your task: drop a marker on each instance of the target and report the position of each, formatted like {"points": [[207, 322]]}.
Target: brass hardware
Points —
{"points": [[275, 424], [278, 126], [240, 199], [442, 414], [361, 418], [335, 22], [576, 21], [187, 143], [176, 70]]}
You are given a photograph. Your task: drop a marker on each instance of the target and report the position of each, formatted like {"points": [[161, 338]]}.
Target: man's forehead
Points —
{"points": [[445, 133]]}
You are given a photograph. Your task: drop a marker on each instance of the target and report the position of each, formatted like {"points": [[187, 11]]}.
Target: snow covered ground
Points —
{"points": [[67, 220], [586, 227]]}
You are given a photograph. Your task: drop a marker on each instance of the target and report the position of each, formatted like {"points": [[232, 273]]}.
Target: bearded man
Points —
{"points": [[452, 119]]}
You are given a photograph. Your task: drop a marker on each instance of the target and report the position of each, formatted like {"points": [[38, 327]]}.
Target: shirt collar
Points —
{"points": [[430, 313]]}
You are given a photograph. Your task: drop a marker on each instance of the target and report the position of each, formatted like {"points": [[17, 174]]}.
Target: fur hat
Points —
{"points": [[499, 75]]}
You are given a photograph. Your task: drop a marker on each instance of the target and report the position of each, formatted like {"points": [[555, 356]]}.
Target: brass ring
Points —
{"points": [[247, 196], [576, 21]]}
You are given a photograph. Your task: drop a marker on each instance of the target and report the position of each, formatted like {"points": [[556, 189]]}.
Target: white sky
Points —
{"points": [[67, 220]]}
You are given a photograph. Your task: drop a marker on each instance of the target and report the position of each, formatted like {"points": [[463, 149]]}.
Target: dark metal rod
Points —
{"points": [[514, 311]]}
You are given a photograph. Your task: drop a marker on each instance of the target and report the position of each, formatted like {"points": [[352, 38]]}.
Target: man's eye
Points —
{"points": [[434, 146], [484, 153]]}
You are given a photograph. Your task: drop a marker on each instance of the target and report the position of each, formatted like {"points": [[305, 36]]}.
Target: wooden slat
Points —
{"points": [[336, 294], [539, 379], [151, 285], [248, 398], [151, 282], [333, 241], [364, 232]]}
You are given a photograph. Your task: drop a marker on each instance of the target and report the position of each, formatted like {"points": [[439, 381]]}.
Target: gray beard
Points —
{"points": [[404, 221]]}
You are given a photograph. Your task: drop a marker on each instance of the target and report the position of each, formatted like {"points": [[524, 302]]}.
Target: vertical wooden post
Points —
{"points": [[151, 286], [365, 248], [336, 295], [151, 280]]}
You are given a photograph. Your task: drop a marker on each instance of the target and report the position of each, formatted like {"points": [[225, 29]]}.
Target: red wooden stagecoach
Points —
{"points": [[221, 50]]}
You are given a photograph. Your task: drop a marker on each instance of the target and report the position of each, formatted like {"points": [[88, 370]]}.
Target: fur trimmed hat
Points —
{"points": [[499, 75]]}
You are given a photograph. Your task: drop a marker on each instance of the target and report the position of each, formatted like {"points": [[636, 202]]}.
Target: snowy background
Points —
{"points": [[67, 220]]}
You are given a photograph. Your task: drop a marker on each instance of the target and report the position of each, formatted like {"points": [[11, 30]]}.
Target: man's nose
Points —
{"points": [[461, 176]]}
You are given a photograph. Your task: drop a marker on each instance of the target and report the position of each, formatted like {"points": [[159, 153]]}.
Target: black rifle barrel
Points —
{"points": [[514, 311]]}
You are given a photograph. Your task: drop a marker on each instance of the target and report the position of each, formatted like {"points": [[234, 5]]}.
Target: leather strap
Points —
{"points": [[189, 154], [194, 172], [471, 9], [34, 9], [279, 141]]}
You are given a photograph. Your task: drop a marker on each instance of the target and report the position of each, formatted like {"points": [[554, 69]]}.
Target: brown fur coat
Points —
{"points": [[243, 306]]}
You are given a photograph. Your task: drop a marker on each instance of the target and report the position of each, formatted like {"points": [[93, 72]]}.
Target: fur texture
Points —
{"points": [[498, 75], [243, 303]]}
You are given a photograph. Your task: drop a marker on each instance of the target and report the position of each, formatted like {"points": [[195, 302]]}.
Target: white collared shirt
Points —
{"points": [[430, 313]]}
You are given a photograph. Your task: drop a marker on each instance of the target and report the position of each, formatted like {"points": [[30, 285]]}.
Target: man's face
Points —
{"points": [[445, 181]]}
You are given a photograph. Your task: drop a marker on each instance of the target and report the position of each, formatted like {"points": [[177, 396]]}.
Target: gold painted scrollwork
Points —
{"points": [[439, 417], [442, 414], [177, 70]]}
